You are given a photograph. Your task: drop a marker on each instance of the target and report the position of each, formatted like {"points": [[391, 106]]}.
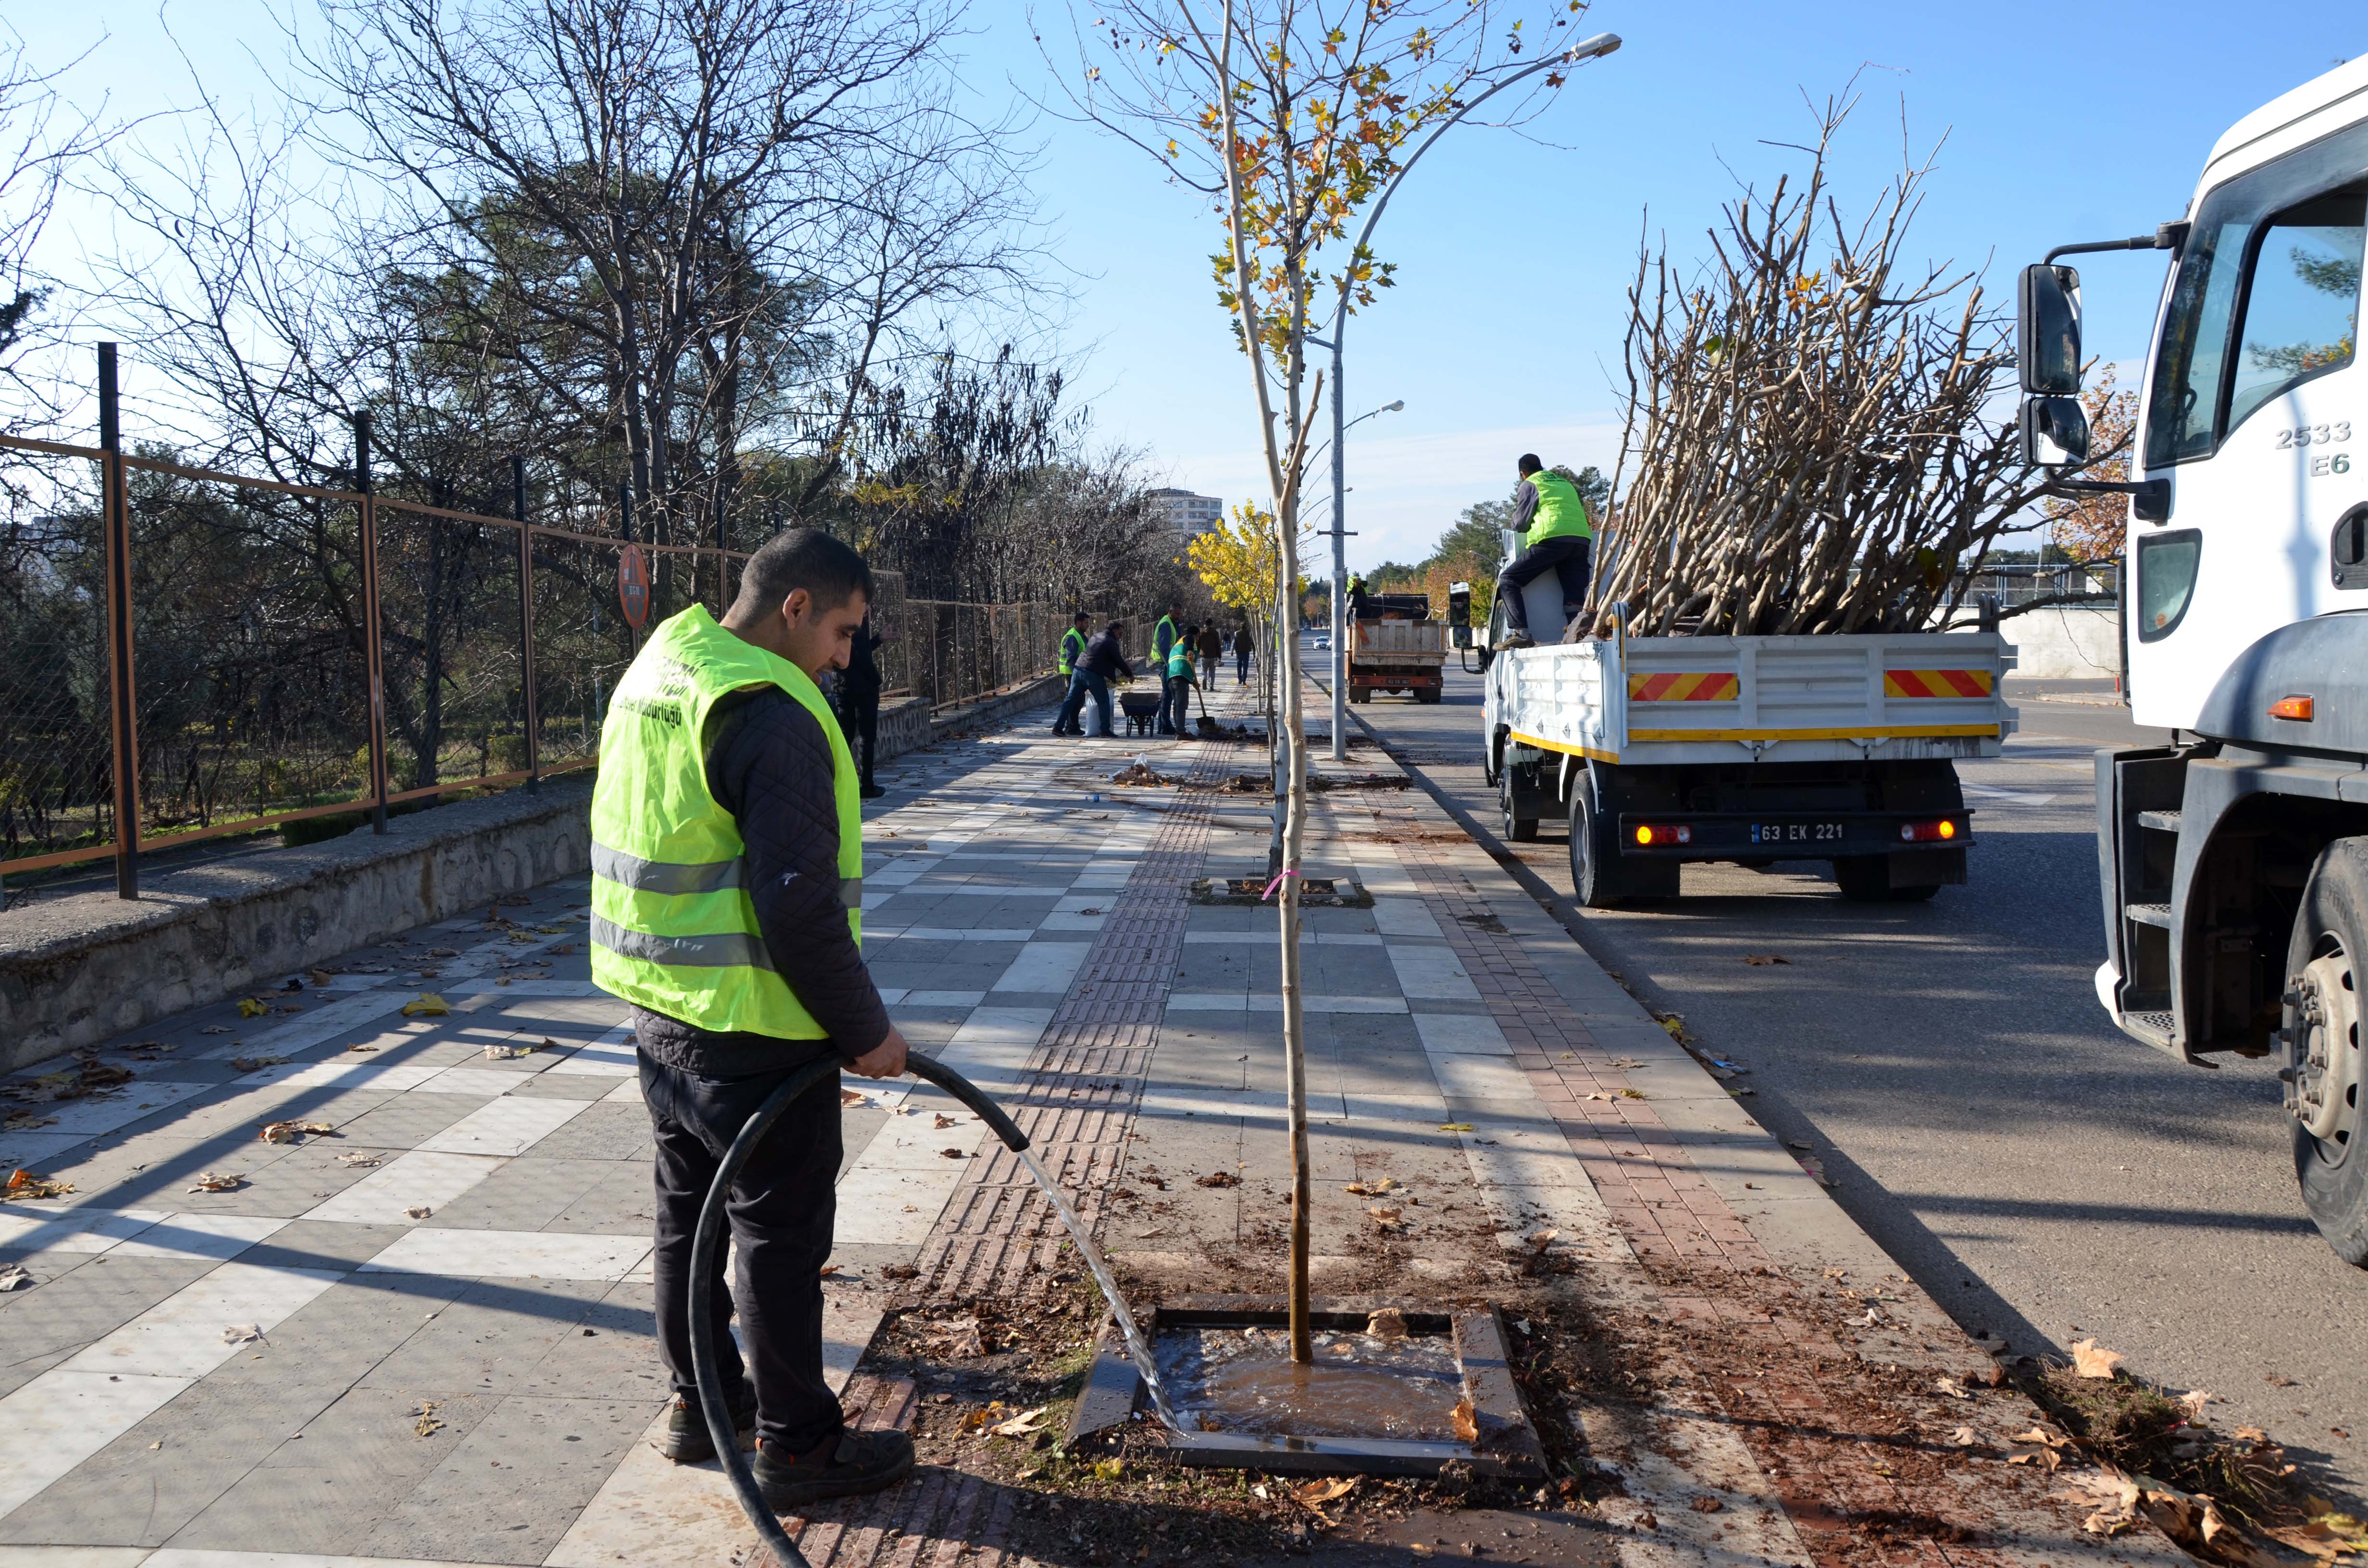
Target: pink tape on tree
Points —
{"points": [[1274, 884]]}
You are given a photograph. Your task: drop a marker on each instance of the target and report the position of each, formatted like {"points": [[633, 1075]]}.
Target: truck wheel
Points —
{"points": [[1866, 879], [1594, 879], [1863, 879], [2322, 1046], [1518, 829]]}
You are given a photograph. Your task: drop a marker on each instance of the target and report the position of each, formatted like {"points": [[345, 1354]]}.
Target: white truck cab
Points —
{"points": [[2234, 863]]}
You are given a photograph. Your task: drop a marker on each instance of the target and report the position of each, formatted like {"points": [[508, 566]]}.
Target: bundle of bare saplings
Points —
{"points": [[1818, 432]]}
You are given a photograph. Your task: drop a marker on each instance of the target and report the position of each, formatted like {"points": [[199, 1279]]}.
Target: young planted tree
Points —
{"points": [[1240, 559], [1292, 118]]}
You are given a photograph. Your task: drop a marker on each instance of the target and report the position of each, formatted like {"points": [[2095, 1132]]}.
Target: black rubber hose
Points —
{"points": [[702, 1270]]}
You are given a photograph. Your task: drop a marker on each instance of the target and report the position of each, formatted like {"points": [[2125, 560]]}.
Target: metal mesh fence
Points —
{"points": [[581, 644], [249, 659], [267, 620], [56, 760], [449, 638]]}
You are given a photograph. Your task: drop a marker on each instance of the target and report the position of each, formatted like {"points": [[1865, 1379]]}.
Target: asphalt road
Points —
{"points": [[2041, 1175]]}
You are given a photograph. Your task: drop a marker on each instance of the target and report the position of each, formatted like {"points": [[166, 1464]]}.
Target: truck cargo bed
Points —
{"points": [[1640, 701]]}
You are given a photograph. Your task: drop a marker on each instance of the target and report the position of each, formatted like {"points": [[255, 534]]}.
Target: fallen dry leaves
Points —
{"points": [[2091, 1360], [25, 1184], [1758, 961], [428, 1422], [1217, 1178], [14, 1278], [427, 1005], [1020, 1425], [1313, 1494], [1373, 1188], [1387, 1323], [289, 1131], [256, 1064], [219, 1181], [1466, 1420]]}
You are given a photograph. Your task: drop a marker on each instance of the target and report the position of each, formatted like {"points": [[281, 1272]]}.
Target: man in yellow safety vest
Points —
{"points": [[1557, 536], [1073, 649], [727, 892]]}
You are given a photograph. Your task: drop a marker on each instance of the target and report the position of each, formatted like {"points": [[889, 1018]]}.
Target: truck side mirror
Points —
{"points": [[2055, 431], [1458, 613], [2047, 340]]}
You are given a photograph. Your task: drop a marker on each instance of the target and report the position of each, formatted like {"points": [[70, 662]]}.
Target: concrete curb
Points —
{"points": [[77, 971]]}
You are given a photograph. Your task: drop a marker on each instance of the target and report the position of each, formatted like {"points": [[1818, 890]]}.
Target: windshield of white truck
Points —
{"points": [[2267, 295]]}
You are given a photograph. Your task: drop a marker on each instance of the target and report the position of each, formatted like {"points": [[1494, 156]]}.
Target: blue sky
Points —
{"points": [[2062, 123]]}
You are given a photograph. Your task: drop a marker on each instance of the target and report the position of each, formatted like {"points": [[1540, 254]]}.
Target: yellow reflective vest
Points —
{"points": [[674, 927], [1560, 511], [1073, 648]]}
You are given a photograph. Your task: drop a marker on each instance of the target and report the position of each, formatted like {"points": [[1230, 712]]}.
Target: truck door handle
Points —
{"points": [[2347, 549]]}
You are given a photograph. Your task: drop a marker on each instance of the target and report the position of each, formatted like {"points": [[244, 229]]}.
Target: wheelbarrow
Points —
{"points": [[1141, 710]]}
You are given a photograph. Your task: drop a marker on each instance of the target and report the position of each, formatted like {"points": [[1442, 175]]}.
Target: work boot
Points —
{"points": [[686, 1441], [845, 1466], [1515, 639], [870, 791]]}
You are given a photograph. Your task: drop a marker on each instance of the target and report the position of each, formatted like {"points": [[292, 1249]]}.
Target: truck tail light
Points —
{"points": [[1942, 831], [1678, 833]]}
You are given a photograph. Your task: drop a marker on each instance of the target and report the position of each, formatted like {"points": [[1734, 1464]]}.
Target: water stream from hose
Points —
{"points": [[1136, 1347]]}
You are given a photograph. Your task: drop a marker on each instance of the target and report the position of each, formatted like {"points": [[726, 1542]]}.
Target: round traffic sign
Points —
{"points": [[634, 585]]}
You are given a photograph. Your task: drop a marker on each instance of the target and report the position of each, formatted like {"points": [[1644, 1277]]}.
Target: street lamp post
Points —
{"points": [[1601, 44]]}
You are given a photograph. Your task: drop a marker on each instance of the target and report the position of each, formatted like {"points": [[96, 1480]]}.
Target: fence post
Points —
{"points": [[373, 650], [123, 707], [529, 709]]}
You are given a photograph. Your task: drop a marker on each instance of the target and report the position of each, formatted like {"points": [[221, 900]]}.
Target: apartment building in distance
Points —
{"points": [[1185, 513]]}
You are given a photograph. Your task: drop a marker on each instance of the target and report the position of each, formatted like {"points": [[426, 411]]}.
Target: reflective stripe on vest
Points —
{"points": [[656, 876], [674, 926], [1560, 511]]}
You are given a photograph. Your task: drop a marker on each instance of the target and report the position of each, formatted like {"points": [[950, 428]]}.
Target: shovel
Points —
{"points": [[1207, 728]]}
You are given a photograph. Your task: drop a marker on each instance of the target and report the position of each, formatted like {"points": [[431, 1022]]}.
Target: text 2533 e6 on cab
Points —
{"points": [[2233, 862]]}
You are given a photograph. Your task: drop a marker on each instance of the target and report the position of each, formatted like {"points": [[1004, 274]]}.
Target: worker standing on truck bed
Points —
{"points": [[728, 877], [1559, 536]]}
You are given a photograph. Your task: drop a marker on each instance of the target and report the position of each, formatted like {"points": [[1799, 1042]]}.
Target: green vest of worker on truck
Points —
{"points": [[1560, 514], [1073, 648], [674, 927]]}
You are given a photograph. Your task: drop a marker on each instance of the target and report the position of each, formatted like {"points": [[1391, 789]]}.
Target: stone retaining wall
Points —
{"points": [[77, 970]]}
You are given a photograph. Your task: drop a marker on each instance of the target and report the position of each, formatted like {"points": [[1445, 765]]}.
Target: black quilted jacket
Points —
{"points": [[768, 765]]}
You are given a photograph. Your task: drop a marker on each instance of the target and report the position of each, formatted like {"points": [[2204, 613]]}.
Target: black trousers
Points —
{"points": [[858, 715], [781, 1212], [1566, 555]]}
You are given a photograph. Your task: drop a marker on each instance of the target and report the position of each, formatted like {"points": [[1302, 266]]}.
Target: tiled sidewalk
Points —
{"points": [[425, 1336]]}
